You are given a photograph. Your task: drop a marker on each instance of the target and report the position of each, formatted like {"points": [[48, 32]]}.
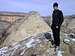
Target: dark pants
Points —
{"points": [[56, 35]]}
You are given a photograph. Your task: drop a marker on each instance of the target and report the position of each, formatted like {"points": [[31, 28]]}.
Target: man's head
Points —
{"points": [[55, 6]]}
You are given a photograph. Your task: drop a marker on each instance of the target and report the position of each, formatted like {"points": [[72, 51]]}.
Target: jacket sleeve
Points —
{"points": [[61, 18]]}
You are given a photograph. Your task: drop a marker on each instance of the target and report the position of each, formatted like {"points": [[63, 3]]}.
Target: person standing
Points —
{"points": [[57, 20]]}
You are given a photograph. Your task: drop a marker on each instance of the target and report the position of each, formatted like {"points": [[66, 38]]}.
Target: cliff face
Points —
{"points": [[11, 16]]}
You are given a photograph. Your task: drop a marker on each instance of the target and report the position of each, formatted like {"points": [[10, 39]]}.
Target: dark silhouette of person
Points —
{"points": [[57, 20]]}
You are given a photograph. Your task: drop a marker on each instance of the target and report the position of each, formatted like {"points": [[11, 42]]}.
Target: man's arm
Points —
{"points": [[61, 18]]}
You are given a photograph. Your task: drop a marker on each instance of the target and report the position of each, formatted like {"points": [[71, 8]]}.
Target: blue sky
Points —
{"points": [[44, 7]]}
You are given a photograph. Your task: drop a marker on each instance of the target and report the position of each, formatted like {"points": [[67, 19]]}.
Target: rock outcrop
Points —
{"points": [[34, 45], [32, 24]]}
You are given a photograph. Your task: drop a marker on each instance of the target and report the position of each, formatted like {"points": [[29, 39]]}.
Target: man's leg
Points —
{"points": [[56, 35]]}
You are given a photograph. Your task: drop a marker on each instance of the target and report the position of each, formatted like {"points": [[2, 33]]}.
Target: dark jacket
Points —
{"points": [[57, 18]]}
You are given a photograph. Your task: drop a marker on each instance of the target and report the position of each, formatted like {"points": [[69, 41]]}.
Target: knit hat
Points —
{"points": [[55, 4]]}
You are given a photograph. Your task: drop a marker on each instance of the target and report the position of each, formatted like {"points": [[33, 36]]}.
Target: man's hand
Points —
{"points": [[56, 26]]}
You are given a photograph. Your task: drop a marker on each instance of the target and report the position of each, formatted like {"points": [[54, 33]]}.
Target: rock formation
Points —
{"points": [[26, 37], [34, 45], [32, 24]]}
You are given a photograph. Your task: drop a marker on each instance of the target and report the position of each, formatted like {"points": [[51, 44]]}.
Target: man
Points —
{"points": [[57, 20]]}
